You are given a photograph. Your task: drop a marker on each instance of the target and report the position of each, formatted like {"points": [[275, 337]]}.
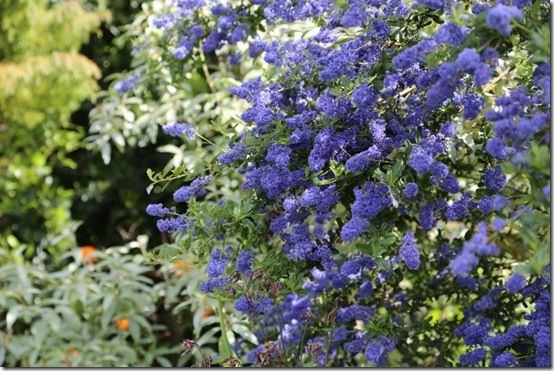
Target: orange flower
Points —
{"points": [[182, 266], [86, 251], [122, 324], [207, 312], [72, 351]]}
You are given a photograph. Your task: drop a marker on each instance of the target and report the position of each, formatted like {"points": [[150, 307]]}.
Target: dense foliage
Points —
{"points": [[279, 183], [394, 197], [43, 80], [62, 303]]}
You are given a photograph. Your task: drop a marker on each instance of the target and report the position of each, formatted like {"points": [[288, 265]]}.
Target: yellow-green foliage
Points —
{"points": [[32, 27], [43, 79], [45, 87], [42, 76]]}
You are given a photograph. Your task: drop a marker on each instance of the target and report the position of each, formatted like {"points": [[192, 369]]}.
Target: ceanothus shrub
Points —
{"points": [[395, 180]]}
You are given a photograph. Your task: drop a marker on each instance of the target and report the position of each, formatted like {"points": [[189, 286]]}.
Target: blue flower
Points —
{"points": [[500, 341], [244, 261], [505, 359], [164, 21], [234, 59], [215, 283], [332, 106], [353, 228], [434, 4], [473, 357], [448, 129], [420, 160], [234, 154], [478, 8], [474, 332], [500, 202], [500, 16], [251, 306], [447, 71], [450, 33], [157, 210], [468, 60], [494, 179], [355, 312], [546, 191], [351, 269], [473, 104], [364, 96], [357, 344], [414, 55], [459, 209], [378, 349], [196, 188], [127, 84], [463, 263], [279, 155], [515, 283], [498, 224], [365, 291], [363, 160], [498, 149], [409, 252], [322, 198], [371, 200], [238, 34], [218, 262], [467, 259], [427, 216], [177, 130], [482, 74], [410, 190]]}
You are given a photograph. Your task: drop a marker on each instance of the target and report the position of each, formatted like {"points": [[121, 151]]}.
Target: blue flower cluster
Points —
{"points": [[195, 188], [352, 146], [216, 268], [177, 130], [293, 318], [499, 17], [468, 259], [505, 347], [127, 84], [409, 252]]}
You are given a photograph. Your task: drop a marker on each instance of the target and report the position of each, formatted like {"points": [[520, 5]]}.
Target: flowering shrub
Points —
{"points": [[394, 165]]}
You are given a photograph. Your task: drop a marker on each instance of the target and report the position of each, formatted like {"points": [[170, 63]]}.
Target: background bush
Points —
{"points": [[64, 201]]}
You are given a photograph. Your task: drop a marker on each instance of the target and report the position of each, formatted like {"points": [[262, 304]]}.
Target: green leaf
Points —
{"points": [[12, 316], [434, 315], [134, 329], [164, 362], [223, 347]]}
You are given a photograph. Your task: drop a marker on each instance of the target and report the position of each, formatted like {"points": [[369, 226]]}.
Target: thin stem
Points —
{"points": [[209, 79], [301, 351], [503, 74], [328, 347], [170, 178], [443, 350], [482, 47], [207, 72], [522, 27], [209, 141], [228, 347], [282, 340]]}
